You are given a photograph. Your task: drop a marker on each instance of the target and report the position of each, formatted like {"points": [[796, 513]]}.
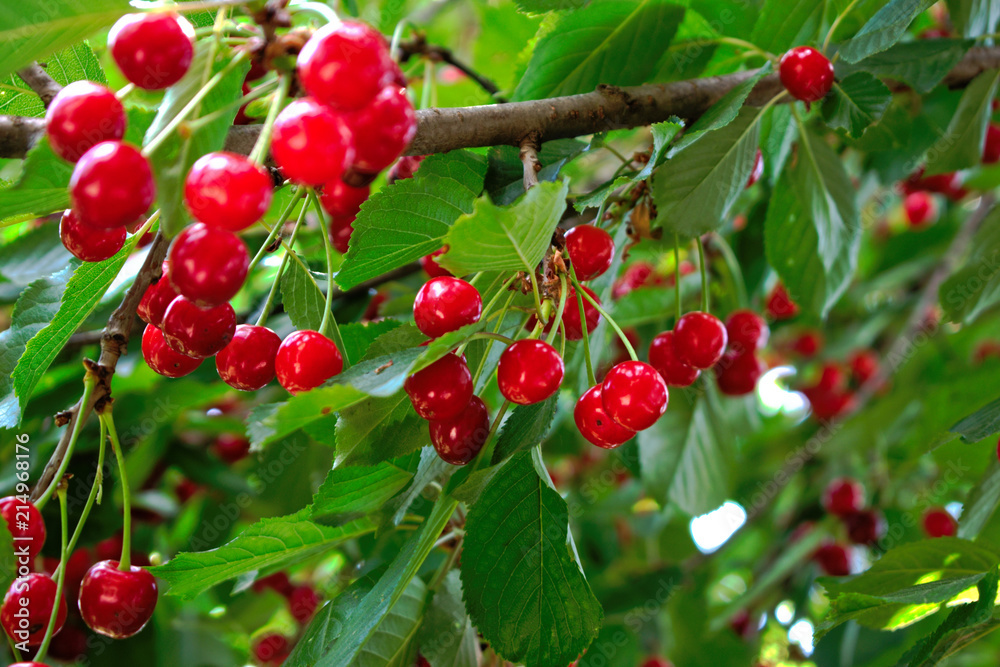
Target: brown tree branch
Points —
{"points": [[39, 80]]}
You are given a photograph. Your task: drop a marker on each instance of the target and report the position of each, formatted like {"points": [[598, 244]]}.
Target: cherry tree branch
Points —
{"points": [[39, 81]]}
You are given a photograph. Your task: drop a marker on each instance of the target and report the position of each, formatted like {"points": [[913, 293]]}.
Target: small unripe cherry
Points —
{"points": [[82, 115]]}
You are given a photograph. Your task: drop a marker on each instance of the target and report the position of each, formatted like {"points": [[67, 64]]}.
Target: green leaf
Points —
{"points": [[542, 6], [410, 218], [981, 505], [883, 30], [723, 112], [783, 24], [812, 231], [32, 255], [447, 637], [974, 18], [663, 134], [352, 491], [855, 103], [525, 428], [974, 288], [513, 238], [523, 589], [43, 187], [961, 145], [72, 64], [599, 195], [982, 423], [430, 468], [304, 301], [379, 429], [609, 42], [360, 336], [921, 64]]}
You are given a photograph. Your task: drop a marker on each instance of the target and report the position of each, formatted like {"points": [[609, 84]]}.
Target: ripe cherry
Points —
{"points": [[991, 146], [746, 331], [806, 74], [339, 198], [303, 603], [700, 339], [70, 645], [657, 661], [833, 559], [780, 305], [864, 365], [529, 372], [247, 363], [809, 343], [382, 130], [278, 582], [271, 649], [457, 440], [571, 314], [827, 404], [341, 230], [920, 209], [844, 496], [639, 274], [115, 603], [157, 297], [153, 50], [404, 168], [112, 185], [595, 424], [208, 265], [161, 357], [35, 593], [949, 184], [345, 65], [446, 304], [82, 115], [231, 448], [26, 525], [865, 527], [76, 568], [228, 191], [195, 331], [634, 395], [442, 390], [430, 266], [758, 169], [939, 523], [305, 360], [737, 373], [590, 249], [663, 358], [91, 244], [312, 145]]}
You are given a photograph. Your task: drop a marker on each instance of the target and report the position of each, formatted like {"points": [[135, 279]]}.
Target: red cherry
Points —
{"points": [[382, 130], [305, 360], [153, 50], [780, 305], [529, 372], [459, 439], [590, 249], [866, 527], [939, 523], [186, 489], [594, 423], [446, 304], [806, 74], [422, 661], [26, 525], [758, 169], [430, 266], [112, 185], [746, 331], [442, 390], [663, 358], [228, 191], [278, 582], [827, 404], [345, 65], [247, 363], [195, 331], [949, 184], [920, 209], [634, 395], [864, 365], [340, 199], [404, 168], [91, 244], [737, 373], [157, 297], [114, 603], [657, 661], [70, 645], [82, 115], [834, 560], [312, 145], [27, 607], [111, 548], [844, 496], [571, 314], [991, 147], [700, 339], [161, 357], [639, 274], [76, 568], [303, 603], [808, 344], [831, 377], [271, 649], [208, 265], [231, 448], [341, 230]]}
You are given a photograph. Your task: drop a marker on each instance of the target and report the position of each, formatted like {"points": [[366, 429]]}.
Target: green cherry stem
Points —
{"points": [[95, 492], [536, 296], [125, 564], [704, 275], [89, 383], [329, 325], [60, 573], [677, 274], [583, 322], [265, 311], [557, 318], [604, 314], [489, 343], [733, 266], [263, 143], [273, 232]]}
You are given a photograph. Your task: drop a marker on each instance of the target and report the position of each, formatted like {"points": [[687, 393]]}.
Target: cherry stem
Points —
{"points": [[397, 36], [583, 325], [263, 143], [449, 562], [329, 324], [489, 343], [604, 314], [125, 564], [487, 335], [273, 232], [557, 318], [89, 383], [677, 274], [535, 295], [428, 92], [60, 574], [260, 91], [611, 149], [733, 266], [95, 493], [488, 443], [265, 311], [503, 288], [125, 91], [704, 275], [316, 9], [836, 23]]}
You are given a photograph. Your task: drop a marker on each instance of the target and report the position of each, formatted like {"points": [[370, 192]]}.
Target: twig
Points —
{"points": [[529, 156], [418, 46], [39, 80]]}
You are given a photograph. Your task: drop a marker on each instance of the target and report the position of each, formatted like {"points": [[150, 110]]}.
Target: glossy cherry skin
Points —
{"points": [[459, 439], [231, 448], [780, 305], [305, 360], [844, 496], [82, 115], [153, 50], [382, 130], [834, 560], [991, 147], [595, 424], [700, 339], [345, 66], [26, 525], [664, 359], [938, 522], [865, 527], [442, 390], [571, 314], [208, 265], [529, 372], [114, 603], [920, 209], [758, 169], [339, 198], [112, 185], [341, 231], [746, 331], [312, 144], [161, 357], [91, 244], [430, 266], [247, 363], [271, 649], [37, 593], [195, 331], [228, 191], [303, 603], [806, 74], [634, 395], [737, 373], [590, 249], [446, 304], [157, 297]]}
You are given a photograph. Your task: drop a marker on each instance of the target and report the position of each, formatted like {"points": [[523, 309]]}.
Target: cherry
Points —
{"points": [[115, 603], [656, 661], [305, 360], [339, 198], [571, 314], [446, 304], [663, 358], [372, 309], [208, 265], [111, 549], [920, 209], [590, 249], [747, 331], [76, 567], [247, 363], [991, 146], [634, 395], [228, 191], [27, 607], [737, 373], [271, 649], [828, 405], [594, 423], [700, 339], [341, 230], [161, 357], [833, 559], [939, 523], [26, 525], [806, 74], [70, 645], [865, 527], [635, 276], [153, 50], [864, 365], [740, 624], [312, 144], [457, 440], [430, 266], [844, 496], [112, 185], [345, 65], [186, 489], [780, 305], [529, 372], [195, 331], [382, 130], [278, 582], [91, 244], [303, 603], [404, 168], [442, 390], [808, 344], [949, 184], [758, 169], [82, 115], [157, 297]]}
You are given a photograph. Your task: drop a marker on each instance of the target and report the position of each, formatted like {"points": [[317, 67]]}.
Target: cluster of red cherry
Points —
{"points": [[274, 648]]}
